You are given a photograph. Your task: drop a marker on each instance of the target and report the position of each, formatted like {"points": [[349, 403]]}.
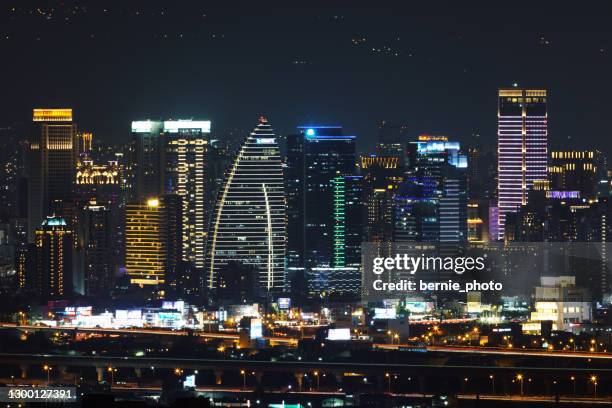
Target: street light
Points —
{"points": [[388, 381], [243, 378], [492, 377], [316, 374], [594, 381], [112, 371], [520, 378], [48, 369], [574, 383]]}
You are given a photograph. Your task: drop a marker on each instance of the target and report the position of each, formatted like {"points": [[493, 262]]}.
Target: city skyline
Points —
{"points": [[307, 205]]}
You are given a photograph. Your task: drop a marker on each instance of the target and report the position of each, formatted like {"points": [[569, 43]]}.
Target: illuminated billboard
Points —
{"points": [[256, 329], [385, 313], [339, 334]]}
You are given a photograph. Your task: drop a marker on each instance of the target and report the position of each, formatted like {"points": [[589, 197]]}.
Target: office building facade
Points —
{"points": [[522, 136], [52, 164], [185, 152], [145, 242], [54, 259], [248, 225]]}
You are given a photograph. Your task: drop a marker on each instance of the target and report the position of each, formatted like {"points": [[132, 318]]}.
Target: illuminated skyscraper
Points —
{"points": [[145, 236], [54, 250], [52, 164], [325, 210], [328, 153], [431, 206], [147, 164], [522, 149], [248, 225], [185, 152], [382, 175]]}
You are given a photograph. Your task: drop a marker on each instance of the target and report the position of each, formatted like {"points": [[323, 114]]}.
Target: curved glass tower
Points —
{"points": [[248, 225]]}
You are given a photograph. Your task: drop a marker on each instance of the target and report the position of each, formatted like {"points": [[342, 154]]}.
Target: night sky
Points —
{"points": [[434, 68]]}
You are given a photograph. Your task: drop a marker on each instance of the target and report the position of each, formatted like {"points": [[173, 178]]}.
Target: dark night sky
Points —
{"points": [[435, 68]]}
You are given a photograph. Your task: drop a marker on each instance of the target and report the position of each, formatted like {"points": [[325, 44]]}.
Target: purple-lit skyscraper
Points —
{"points": [[522, 147]]}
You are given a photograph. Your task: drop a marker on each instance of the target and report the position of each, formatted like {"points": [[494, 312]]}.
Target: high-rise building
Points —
{"points": [[248, 225], [52, 164], [391, 142], [145, 241], [481, 174], [382, 176], [185, 152], [522, 135], [327, 154], [431, 206], [453, 206], [147, 162], [573, 170], [416, 210], [294, 190], [325, 210], [178, 277], [101, 182], [98, 242], [431, 155], [54, 251]]}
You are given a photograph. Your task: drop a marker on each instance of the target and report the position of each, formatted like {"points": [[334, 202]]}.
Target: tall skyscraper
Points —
{"points": [[416, 213], [248, 226], [432, 205], [294, 190], [52, 164], [522, 136], [98, 242], [325, 210], [145, 248], [453, 206], [54, 251], [178, 279], [382, 175], [328, 153], [147, 164], [185, 154]]}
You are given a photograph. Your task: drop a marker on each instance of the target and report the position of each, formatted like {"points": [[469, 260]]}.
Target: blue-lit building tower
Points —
{"points": [[431, 205]]}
